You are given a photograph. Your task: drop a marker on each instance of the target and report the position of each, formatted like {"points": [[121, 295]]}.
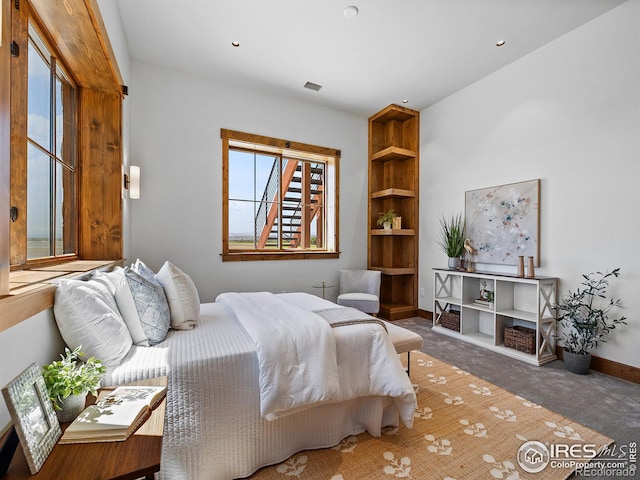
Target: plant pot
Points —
{"points": [[386, 225], [576, 363], [72, 406], [453, 263]]}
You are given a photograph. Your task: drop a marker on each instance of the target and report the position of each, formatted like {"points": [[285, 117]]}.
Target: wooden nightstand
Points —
{"points": [[138, 456]]}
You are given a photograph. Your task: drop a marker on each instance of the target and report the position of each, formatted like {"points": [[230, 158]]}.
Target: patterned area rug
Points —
{"points": [[464, 428]]}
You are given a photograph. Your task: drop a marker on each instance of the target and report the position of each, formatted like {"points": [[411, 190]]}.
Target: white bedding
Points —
{"points": [[213, 427], [302, 360]]}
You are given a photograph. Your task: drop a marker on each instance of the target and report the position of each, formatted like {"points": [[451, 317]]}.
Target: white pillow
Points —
{"points": [[117, 284], [182, 295], [87, 315], [151, 304]]}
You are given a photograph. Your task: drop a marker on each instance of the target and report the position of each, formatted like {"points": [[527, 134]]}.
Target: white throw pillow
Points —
{"points": [[151, 304], [87, 315], [182, 295], [117, 284]]}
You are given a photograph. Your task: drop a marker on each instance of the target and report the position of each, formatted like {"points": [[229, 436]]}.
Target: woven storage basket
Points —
{"points": [[520, 338], [450, 320]]}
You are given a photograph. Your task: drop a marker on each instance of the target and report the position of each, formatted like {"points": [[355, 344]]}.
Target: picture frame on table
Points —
{"points": [[34, 418]]}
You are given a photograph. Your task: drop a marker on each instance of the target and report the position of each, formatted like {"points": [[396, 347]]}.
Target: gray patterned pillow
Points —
{"points": [[151, 304]]}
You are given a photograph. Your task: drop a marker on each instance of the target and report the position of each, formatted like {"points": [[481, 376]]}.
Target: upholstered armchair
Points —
{"points": [[360, 289]]}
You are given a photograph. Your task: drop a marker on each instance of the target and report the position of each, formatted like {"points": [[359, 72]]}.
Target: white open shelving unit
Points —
{"points": [[518, 301]]}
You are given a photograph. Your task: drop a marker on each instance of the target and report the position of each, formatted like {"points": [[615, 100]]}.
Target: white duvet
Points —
{"points": [[214, 429], [303, 361]]}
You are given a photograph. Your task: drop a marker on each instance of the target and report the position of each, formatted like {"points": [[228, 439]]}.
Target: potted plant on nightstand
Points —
{"points": [[587, 319], [385, 219], [451, 239], [69, 380]]}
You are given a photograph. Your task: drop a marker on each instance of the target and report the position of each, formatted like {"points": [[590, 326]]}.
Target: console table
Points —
{"points": [[138, 456], [517, 302]]}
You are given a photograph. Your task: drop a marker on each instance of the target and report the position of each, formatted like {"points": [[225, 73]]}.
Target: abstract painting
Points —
{"points": [[503, 222]]}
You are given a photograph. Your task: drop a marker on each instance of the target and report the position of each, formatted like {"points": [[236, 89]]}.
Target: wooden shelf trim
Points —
{"points": [[393, 231], [393, 112], [393, 153], [393, 192], [395, 270], [393, 183]]}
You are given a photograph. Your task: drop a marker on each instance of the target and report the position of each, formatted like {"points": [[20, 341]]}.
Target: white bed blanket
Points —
{"points": [[213, 427], [303, 361]]}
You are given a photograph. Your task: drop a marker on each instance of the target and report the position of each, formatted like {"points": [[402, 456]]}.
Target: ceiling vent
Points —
{"points": [[312, 86]]}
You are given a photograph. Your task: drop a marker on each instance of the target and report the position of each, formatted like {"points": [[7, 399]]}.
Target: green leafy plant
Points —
{"points": [[71, 376], [451, 239], [386, 217], [585, 313]]}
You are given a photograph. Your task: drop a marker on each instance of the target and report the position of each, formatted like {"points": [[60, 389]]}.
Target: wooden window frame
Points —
{"points": [[20, 259], [257, 143], [82, 47]]}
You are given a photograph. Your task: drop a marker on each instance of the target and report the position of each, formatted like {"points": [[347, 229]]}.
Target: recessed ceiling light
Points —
{"points": [[235, 44], [500, 43], [351, 11], [405, 101]]}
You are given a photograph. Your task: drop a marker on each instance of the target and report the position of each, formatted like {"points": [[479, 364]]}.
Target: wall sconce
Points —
{"points": [[132, 182]]}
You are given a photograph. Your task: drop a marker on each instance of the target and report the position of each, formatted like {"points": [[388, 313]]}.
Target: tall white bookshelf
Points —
{"points": [[518, 301]]}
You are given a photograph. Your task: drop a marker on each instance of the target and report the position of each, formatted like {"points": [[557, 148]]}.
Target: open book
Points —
{"points": [[115, 416]]}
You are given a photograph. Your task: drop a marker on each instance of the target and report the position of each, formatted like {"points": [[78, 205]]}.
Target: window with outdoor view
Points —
{"points": [[280, 198], [51, 155]]}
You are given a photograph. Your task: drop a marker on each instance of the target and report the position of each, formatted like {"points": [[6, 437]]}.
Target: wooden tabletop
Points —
{"points": [[138, 456]]}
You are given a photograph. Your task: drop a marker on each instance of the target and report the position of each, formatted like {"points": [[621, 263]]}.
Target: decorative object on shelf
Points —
{"points": [[486, 296], [586, 318], [531, 271], [469, 255], [70, 377], [385, 219], [504, 221], [33, 416], [520, 271], [520, 338], [397, 223], [450, 319], [451, 239]]}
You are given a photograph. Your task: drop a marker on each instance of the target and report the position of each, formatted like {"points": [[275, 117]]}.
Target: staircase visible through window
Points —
{"points": [[280, 196]]}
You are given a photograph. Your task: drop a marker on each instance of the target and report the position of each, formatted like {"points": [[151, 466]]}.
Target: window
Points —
{"points": [[280, 198], [51, 155]]}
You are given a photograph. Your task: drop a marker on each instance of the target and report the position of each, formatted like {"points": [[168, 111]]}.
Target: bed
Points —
{"points": [[218, 423]]}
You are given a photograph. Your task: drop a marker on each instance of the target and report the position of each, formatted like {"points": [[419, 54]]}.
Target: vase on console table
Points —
{"points": [[530, 269], [520, 271]]}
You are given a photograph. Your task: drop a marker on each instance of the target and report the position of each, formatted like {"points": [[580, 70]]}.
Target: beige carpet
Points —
{"points": [[464, 428]]}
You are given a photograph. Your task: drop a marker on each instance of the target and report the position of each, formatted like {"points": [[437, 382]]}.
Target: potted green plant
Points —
{"points": [[385, 219], [451, 239], [586, 317], [69, 380]]}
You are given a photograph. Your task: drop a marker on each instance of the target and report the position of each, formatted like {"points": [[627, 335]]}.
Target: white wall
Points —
{"points": [[176, 122], [569, 114]]}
